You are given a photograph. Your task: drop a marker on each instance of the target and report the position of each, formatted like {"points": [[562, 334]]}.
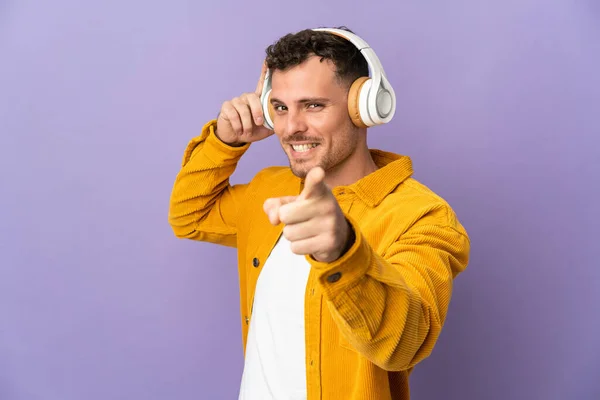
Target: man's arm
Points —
{"points": [[391, 307], [203, 204]]}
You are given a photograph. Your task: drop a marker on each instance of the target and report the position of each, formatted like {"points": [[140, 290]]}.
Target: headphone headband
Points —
{"points": [[372, 59], [375, 67]]}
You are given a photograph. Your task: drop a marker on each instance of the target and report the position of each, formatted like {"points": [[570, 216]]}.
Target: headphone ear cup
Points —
{"points": [[354, 101], [268, 112]]}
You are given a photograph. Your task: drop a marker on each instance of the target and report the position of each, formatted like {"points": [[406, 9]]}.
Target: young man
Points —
{"points": [[346, 263]]}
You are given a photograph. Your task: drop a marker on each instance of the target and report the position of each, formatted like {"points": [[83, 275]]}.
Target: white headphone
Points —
{"points": [[371, 100]]}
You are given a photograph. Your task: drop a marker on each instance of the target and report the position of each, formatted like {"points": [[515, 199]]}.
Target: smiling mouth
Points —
{"points": [[302, 148]]}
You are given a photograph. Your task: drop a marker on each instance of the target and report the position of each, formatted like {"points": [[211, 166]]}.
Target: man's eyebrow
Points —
{"points": [[304, 100]]}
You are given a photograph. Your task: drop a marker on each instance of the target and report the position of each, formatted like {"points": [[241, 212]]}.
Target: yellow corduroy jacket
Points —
{"points": [[373, 314]]}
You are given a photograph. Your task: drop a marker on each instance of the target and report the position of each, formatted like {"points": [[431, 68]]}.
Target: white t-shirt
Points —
{"points": [[274, 365]]}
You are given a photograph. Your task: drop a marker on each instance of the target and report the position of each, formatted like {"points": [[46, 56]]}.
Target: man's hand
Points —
{"points": [[314, 222], [241, 119]]}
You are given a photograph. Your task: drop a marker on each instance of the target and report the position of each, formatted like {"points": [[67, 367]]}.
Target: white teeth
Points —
{"points": [[303, 147]]}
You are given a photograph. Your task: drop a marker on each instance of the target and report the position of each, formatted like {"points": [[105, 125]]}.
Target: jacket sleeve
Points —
{"points": [[203, 205], [391, 307]]}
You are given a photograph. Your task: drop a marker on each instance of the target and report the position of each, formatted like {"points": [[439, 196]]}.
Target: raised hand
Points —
{"points": [[314, 223], [240, 120]]}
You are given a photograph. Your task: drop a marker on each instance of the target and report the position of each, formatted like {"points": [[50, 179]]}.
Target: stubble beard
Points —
{"points": [[330, 158]]}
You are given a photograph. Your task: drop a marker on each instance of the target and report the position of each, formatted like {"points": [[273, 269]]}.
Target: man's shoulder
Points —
{"points": [[413, 187], [419, 200], [273, 174], [273, 181]]}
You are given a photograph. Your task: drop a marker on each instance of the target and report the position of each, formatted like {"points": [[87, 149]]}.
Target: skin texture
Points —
{"points": [[310, 107]]}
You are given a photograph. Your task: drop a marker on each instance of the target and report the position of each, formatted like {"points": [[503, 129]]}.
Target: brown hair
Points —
{"points": [[295, 48]]}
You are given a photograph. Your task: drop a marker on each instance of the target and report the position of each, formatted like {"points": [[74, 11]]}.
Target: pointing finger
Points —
{"points": [[314, 185]]}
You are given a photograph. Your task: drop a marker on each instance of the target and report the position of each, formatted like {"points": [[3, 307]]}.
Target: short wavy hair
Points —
{"points": [[295, 48]]}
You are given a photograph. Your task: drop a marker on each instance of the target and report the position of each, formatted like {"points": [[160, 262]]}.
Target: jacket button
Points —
{"points": [[255, 262], [334, 277]]}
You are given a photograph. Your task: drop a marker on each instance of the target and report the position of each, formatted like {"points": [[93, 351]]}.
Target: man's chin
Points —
{"points": [[299, 172], [300, 169]]}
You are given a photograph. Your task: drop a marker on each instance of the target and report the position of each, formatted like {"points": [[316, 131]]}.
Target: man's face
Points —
{"points": [[311, 116]]}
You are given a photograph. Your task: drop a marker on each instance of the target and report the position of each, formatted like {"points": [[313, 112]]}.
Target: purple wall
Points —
{"points": [[498, 106]]}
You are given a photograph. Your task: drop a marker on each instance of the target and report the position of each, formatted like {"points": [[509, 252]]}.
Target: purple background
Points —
{"points": [[498, 105]]}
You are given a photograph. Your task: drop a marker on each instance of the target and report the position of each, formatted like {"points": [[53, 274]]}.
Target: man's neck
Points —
{"points": [[356, 167]]}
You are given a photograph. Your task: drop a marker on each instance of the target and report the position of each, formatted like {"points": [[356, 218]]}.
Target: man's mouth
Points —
{"points": [[302, 148]]}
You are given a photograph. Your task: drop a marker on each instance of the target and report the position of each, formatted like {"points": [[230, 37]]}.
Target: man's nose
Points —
{"points": [[295, 122]]}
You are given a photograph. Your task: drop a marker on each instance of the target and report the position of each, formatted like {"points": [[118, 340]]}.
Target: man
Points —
{"points": [[346, 263]]}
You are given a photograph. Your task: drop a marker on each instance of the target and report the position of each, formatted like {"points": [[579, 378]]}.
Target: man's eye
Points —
{"points": [[280, 108], [314, 105]]}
